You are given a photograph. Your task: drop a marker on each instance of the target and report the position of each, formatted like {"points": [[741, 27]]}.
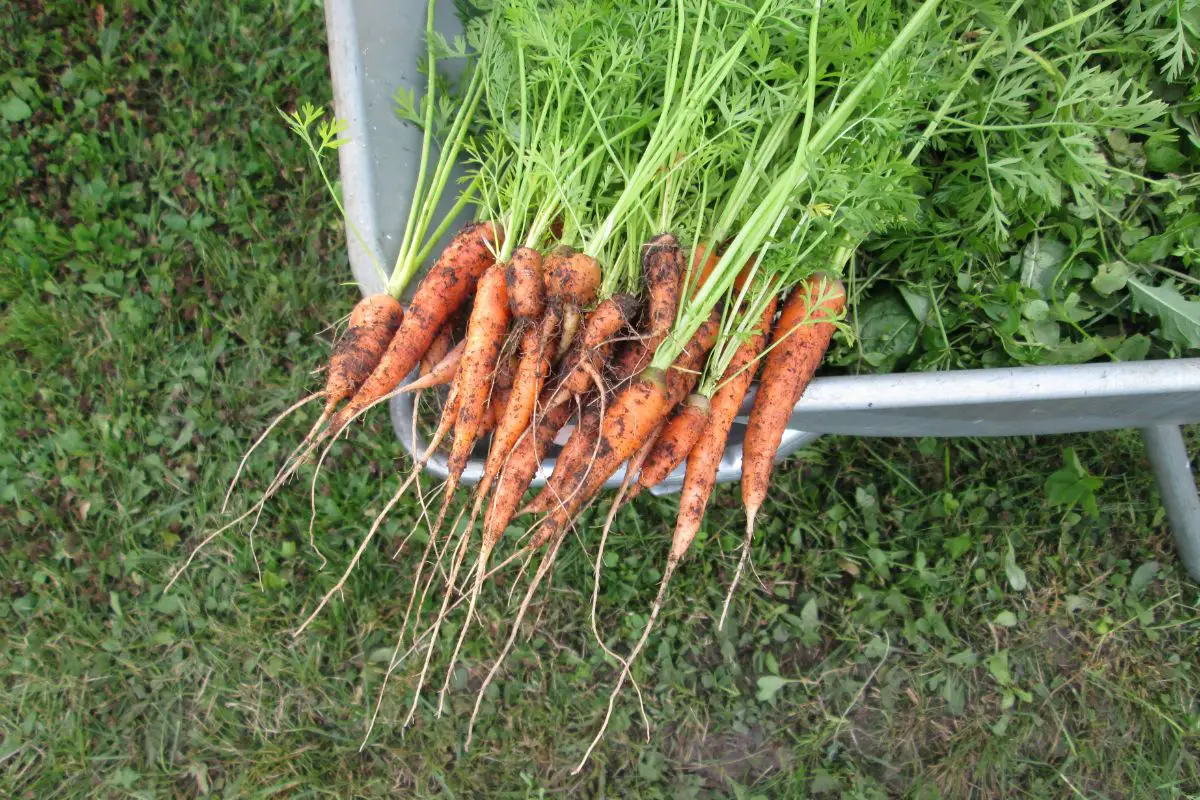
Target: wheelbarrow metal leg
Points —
{"points": [[1169, 457]]}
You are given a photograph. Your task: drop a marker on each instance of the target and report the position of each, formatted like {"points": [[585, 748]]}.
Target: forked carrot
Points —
{"points": [[592, 349], [572, 280]]}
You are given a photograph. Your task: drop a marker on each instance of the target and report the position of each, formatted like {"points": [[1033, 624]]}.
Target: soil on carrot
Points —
{"points": [[931, 618]]}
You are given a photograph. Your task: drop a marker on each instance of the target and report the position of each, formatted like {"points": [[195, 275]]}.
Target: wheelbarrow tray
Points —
{"points": [[373, 47]]}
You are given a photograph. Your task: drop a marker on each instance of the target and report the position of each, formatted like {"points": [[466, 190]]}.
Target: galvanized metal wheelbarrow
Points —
{"points": [[371, 49]]}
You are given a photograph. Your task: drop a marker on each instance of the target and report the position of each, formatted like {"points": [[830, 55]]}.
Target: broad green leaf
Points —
{"points": [[955, 696], [1040, 261], [1110, 278], [919, 302], [1180, 316], [14, 109], [769, 686], [1142, 576], [888, 330], [1016, 575], [1006, 619], [998, 666], [1135, 348], [958, 545], [1072, 485], [1164, 155], [809, 616]]}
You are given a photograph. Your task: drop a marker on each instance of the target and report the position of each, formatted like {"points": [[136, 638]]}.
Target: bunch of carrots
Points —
{"points": [[665, 208]]}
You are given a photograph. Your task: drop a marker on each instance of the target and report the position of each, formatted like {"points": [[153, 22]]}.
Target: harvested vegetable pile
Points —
{"points": [[676, 198]]}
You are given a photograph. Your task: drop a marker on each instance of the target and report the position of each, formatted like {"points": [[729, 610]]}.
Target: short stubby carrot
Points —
{"points": [[798, 344], [572, 281], [373, 322], [442, 291]]}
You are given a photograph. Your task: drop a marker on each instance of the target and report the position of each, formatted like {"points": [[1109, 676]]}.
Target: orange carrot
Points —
{"points": [[444, 288], [525, 283], [518, 472], [439, 348], [572, 463], [526, 292], [798, 344], [704, 261], [373, 323], [572, 280], [485, 338], [661, 269], [442, 373], [698, 483], [631, 417], [592, 350], [673, 444], [685, 372]]}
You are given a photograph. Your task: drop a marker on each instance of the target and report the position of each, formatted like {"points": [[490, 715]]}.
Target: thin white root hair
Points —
{"points": [[412, 598], [362, 548], [477, 572], [278, 481], [543, 568], [263, 437], [746, 543], [397, 659], [625, 672], [608, 521], [459, 553]]}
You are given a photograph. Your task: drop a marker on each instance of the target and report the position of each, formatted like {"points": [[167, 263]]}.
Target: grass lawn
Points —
{"points": [[927, 618]]}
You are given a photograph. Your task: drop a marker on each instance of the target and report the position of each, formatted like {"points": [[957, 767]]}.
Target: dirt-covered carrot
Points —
{"points": [[662, 262], [373, 323], [593, 347], [441, 292], [574, 463], [526, 295], [440, 373], [518, 472], [629, 420], [572, 280], [673, 444], [484, 340], [571, 463], [441, 345], [798, 343]]}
